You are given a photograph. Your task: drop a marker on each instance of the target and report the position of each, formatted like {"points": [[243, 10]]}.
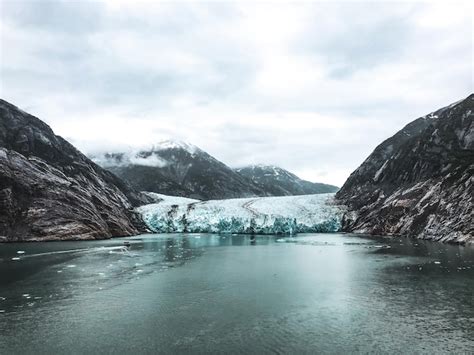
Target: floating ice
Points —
{"points": [[260, 215]]}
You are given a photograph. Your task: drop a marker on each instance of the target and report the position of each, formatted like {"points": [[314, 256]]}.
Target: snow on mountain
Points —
{"points": [[142, 157], [280, 182], [260, 215], [175, 144], [179, 169], [169, 200]]}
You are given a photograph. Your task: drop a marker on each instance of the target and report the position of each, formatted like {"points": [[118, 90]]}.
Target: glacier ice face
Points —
{"points": [[259, 215]]}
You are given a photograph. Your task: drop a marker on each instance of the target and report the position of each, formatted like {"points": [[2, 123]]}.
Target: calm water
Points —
{"points": [[328, 293]]}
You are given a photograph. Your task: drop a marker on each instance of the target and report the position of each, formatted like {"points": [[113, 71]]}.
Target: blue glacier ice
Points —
{"points": [[260, 215]]}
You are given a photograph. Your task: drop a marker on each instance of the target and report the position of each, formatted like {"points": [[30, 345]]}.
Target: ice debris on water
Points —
{"points": [[259, 215]]}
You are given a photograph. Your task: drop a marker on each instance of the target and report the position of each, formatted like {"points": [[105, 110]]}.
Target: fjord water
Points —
{"points": [[329, 293]]}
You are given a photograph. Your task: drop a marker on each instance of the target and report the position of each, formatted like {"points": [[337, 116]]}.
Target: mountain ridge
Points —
{"points": [[419, 182], [51, 191], [281, 182], [181, 169]]}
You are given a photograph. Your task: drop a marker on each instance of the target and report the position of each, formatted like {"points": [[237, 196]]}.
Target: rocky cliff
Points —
{"points": [[51, 191], [418, 182]]}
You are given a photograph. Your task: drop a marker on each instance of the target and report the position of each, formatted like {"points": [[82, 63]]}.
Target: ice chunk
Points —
{"points": [[261, 215]]}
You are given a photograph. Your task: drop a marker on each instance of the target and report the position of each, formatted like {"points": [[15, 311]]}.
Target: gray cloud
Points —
{"points": [[313, 87], [73, 17], [359, 40]]}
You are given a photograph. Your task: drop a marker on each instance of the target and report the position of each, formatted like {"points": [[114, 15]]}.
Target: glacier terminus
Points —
{"points": [[259, 215]]}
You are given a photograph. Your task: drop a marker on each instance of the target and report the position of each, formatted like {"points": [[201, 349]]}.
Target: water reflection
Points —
{"points": [[198, 292]]}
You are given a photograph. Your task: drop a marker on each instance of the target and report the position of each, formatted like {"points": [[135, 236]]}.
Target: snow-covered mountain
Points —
{"points": [[280, 182], [179, 169]]}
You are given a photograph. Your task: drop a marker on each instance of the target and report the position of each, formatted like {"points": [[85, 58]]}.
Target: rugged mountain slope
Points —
{"points": [[280, 182], [179, 169], [51, 191], [418, 182]]}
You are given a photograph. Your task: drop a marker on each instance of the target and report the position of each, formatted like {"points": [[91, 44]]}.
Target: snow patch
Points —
{"points": [[175, 144], [170, 200], [377, 174]]}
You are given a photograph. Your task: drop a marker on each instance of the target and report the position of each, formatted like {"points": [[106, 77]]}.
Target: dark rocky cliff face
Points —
{"points": [[276, 181], [420, 182], [51, 191]]}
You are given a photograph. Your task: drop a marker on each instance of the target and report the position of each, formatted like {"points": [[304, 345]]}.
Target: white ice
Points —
{"points": [[261, 215]]}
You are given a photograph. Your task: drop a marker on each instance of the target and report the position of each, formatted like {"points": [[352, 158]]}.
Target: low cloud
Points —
{"points": [[131, 157], [151, 160]]}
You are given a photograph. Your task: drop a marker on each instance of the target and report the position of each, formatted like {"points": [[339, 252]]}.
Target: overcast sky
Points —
{"points": [[311, 87]]}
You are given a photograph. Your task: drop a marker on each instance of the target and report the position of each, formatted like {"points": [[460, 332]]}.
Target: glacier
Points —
{"points": [[258, 215]]}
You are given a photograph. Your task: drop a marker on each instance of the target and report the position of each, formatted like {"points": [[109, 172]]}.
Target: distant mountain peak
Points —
{"points": [[264, 166], [260, 166], [281, 182], [175, 144], [178, 168]]}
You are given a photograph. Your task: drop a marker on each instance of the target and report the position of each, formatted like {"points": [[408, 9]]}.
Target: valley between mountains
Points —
{"points": [[417, 183]]}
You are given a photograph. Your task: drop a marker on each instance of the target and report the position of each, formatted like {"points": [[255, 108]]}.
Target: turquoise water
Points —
{"points": [[330, 293]]}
